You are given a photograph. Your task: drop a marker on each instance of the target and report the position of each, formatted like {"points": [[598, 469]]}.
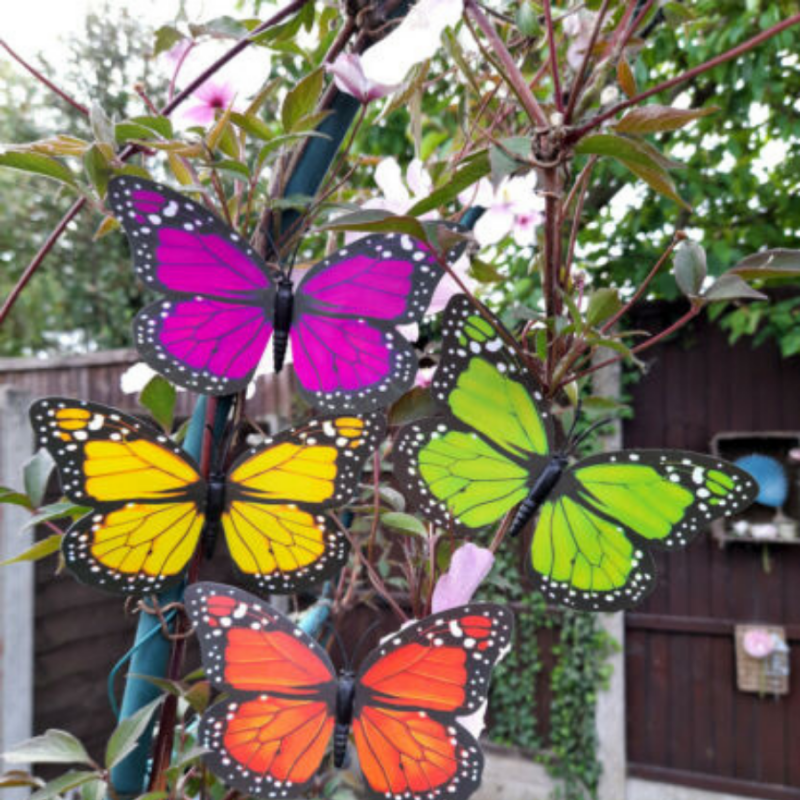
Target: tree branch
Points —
{"points": [[578, 133], [512, 72]]}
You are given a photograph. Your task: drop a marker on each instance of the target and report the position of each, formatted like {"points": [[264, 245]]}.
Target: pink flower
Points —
{"points": [[241, 77], [579, 28], [511, 208], [469, 566], [398, 196], [348, 74], [208, 99]]}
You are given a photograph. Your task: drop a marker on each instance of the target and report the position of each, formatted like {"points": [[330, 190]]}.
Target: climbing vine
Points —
{"points": [[569, 753]]}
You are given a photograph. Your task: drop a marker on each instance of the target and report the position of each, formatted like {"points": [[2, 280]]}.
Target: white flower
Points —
{"points": [[244, 74], [512, 208], [414, 40], [398, 196], [348, 74], [136, 377]]}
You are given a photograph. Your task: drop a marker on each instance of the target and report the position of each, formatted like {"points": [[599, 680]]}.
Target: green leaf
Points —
{"points": [[126, 735], [392, 497], [732, 287], [153, 796], [36, 474], [484, 272], [404, 523], [63, 783], [166, 38], [413, 405], [301, 100], [603, 304], [94, 790], [658, 180], [161, 126], [508, 157], [199, 696], [289, 138], [102, 127], [466, 175], [37, 164], [689, 268], [779, 263], [15, 778], [234, 167], [158, 397], [98, 168], [528, 20], [377, 221], [15, 498], [40, 550], [56, 511], [655, 118], [52, 747], [253, 125]]}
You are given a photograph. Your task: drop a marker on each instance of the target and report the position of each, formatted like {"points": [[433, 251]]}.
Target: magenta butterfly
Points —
{"points": [[223, 303]]}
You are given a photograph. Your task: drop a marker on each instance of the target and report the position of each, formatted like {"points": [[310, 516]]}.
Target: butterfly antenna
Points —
{"points": [[339, 644], [575, 419], [588, 432], [293, 259], [363, 638]]}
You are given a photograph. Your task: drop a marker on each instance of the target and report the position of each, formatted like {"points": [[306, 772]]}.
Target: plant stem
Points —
{"points": [[128, 151], [679, 237], [46, 81], [553, 55], [512, 72], [551, 277], [587, 56], [578, 133], [48, 245], [677, 325]]}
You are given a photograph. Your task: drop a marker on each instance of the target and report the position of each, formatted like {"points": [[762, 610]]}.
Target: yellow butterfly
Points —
{"points": [[150, 503]]}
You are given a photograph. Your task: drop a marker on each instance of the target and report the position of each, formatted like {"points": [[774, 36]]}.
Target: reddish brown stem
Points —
{"points": [[679, 236], [166, 727], [46, 81], [579, 132], [512, 72], [131, 149], [653, 340], [553, 55], [48, 245], [587, 56]]}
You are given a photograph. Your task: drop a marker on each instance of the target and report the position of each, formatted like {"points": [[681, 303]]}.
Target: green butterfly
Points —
{"points": [[491, 450]]}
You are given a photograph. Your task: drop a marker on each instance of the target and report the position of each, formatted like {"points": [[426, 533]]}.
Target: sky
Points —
{"points": [[36, 25]]}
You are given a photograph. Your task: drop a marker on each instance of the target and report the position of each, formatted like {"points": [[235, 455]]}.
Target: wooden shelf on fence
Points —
{"points": [[725, 539]]}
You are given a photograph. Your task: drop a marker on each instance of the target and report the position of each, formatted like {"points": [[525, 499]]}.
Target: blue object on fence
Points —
{"points": [[770, 476]]}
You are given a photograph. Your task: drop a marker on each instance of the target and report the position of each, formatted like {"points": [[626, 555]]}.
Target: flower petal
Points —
{"points": [[414, 40], [469, 566]]}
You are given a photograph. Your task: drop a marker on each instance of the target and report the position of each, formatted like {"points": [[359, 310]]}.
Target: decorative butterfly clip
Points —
{"points": [[285, 702], [223, 303], [151, 505], [492, 450]]}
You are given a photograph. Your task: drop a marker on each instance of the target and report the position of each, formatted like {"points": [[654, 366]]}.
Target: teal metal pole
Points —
{"points": [[152, 655]]}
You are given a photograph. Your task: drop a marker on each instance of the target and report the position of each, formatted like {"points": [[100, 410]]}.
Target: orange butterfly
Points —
{"points": [[285, 702], [150, 503]]}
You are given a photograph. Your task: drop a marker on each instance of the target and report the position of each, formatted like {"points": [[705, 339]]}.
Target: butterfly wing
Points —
{"points": [[147, 495], [210, 331], [479, 458], [590, 545], [270, 734], [346, 349], [410, 693], [274, 522]]}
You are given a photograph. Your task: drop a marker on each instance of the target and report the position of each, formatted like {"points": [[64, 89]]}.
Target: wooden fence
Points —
{"points": [[687, 721]]}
